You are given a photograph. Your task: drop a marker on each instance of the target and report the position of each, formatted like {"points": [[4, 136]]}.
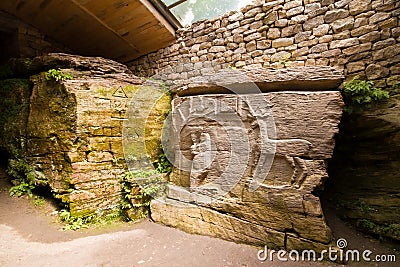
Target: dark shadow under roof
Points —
{"points": [[118, 29]]}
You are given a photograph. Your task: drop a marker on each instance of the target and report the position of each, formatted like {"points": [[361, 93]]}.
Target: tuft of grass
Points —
{"points": [[39, 201], [57, 75], [75, 222]]}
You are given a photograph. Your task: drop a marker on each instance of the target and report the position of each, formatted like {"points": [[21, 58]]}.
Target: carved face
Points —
{"points": [[193, 137]]}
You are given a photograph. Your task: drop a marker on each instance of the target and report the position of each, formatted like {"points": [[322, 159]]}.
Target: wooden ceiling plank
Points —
{"points": [[116, 29], [158, 16], [104, 8], [102, 23]]}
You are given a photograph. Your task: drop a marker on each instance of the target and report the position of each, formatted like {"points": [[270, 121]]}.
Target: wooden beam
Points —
{"points": [[158, 16], [176, 4]]}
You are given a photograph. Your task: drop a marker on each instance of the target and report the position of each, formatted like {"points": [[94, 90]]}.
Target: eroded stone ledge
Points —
{"points": [[309, 78]]}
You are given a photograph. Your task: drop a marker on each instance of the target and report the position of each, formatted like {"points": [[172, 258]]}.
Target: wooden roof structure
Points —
{"points": [[118, 29]]}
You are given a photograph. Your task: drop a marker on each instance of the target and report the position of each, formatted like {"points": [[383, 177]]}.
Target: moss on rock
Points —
{"points": [[154, 126], [14, 110]]}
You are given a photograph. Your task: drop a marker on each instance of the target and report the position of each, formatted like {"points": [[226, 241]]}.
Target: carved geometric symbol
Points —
{"points": [[119, 100], [119, 92]]}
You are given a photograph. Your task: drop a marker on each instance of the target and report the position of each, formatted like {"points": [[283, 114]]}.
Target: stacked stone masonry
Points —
{"points": [[361, 36], [25, 40]]}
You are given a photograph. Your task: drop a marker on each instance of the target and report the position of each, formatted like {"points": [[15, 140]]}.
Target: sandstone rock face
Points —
{"points": [[74, 129], [266, 156], [365, 177], [14, 109], [267, 80]]}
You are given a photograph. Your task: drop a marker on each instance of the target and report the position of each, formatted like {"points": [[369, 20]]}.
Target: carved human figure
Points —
{"points": [[201, 158]]}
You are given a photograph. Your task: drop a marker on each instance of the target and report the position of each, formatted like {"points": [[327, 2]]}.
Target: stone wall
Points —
{"points": [[71, 132], [362, 37], [20, 39]]}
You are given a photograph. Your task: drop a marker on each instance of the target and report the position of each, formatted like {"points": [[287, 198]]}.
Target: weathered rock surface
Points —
{"points": [[14, 109], [301, 78], [284, 205], [360, 36], [73, 131], [364, 169], [84, 66]]}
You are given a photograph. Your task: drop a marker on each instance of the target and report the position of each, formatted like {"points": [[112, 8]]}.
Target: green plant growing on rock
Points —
{"points": [[366, 224], [286, 60], [72, 222], [57, 75], [395, 88], [163, 164], [360, 92], [21, 188], [364, 207], [138, 197], [144, 198], [391, 231], [24, 178]]}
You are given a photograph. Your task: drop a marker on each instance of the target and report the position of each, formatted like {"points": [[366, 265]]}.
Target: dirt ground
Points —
{"points": [[32, 236]]}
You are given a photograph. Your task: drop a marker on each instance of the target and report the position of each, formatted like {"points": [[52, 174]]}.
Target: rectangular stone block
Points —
{"points": [[264, 153]]}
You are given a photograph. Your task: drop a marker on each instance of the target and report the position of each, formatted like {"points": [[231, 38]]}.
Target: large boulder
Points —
{"points": [[71, 130], [267, 156]]}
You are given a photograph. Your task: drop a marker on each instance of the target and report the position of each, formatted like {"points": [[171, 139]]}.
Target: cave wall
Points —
{"points": [[365, 184]]}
